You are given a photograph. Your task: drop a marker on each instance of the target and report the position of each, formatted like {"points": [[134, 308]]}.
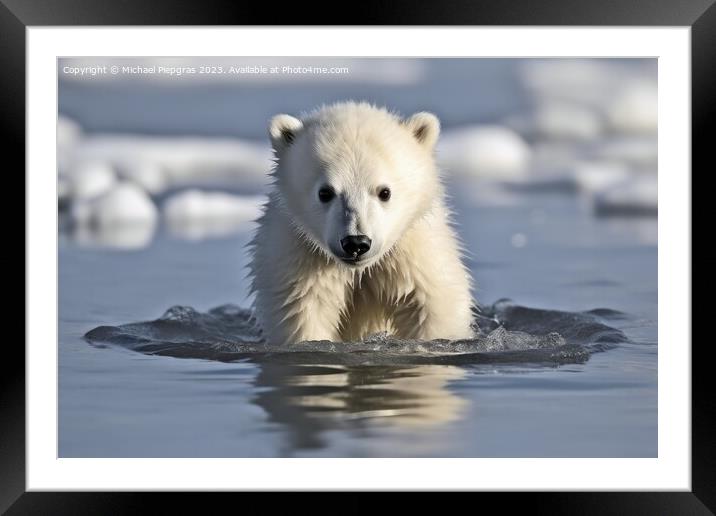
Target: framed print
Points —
{"points": [[452, 256]]}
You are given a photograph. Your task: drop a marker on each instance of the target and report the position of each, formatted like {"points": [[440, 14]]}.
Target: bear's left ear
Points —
{"points": [[425, 128]]}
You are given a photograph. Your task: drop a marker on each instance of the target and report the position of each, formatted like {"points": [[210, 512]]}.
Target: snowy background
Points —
{"points": [[189, 152]]}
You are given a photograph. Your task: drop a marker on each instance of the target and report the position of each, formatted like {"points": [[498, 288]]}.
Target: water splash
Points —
{"points": [[505, 333]]}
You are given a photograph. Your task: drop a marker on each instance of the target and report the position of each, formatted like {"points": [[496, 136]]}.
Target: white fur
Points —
{"points": [[411, 283]]}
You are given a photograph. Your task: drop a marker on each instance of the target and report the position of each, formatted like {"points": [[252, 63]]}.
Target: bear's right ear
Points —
{"points": [[283, 130], [425, 128]]}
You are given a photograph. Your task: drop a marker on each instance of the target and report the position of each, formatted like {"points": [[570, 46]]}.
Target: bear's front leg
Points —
{"points": [[440, 315], [438, 300], [314, 316], [309, 308]]}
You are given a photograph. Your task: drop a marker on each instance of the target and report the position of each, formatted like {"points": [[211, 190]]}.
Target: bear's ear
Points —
{"points": [[283, 130], [425, 127]]}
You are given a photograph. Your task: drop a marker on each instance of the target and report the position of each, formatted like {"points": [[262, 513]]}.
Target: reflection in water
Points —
{"points": [[202, 229], [116, 236], [643, 230], [373, 387], [309, 400]]}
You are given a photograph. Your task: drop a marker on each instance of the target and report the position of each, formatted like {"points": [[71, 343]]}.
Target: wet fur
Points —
{"points": [[415, 286]]}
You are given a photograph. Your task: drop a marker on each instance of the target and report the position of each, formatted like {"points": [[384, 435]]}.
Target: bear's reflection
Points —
{"points": [[308, 400]]}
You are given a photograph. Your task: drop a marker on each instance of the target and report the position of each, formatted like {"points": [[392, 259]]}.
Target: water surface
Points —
{"points": [[116, 401]]}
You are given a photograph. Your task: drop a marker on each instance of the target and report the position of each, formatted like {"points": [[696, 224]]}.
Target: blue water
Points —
{"points": [[542, 250], [117, 402]]}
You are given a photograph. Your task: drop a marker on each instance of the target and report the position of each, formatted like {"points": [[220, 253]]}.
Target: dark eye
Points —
{"points": [[326, 193], [384, 194]]}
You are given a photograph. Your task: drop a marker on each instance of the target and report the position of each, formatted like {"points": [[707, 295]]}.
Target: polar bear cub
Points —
{"points": [[355, 237]]}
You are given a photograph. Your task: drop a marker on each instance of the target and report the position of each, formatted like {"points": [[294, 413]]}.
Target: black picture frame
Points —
{"points": [[700, 15]]}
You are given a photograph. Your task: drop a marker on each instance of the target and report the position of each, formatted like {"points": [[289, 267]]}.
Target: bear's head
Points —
{"points": [[353, 177]]}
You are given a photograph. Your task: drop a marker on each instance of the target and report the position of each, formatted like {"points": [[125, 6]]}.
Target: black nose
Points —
{"points": [[356, 244]]}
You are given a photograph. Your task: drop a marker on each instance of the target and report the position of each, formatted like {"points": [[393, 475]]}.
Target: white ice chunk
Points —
{"points": [[91, 179], [196, 215], [559, 121], [638, 196], [125, 203], [554, 155], [146, 174], [484, 151], [640, 152], [589, 81], [195, 204], [184, 161], [69, 132], [634, 110], [595, 177]]}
